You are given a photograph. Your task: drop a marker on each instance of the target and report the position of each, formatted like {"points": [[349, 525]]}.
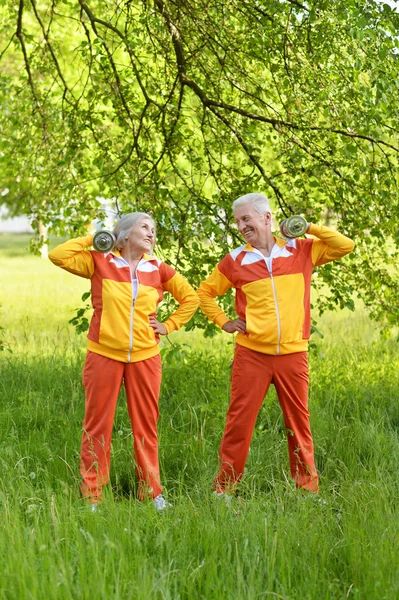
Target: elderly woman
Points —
{"points": [[126, 286]]}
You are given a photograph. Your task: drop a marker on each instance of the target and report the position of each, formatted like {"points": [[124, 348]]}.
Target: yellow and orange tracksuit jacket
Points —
{"points": [[273, 293], [119, 328]]}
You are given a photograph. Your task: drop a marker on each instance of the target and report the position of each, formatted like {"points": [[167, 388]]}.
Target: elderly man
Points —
{"points": [[272, 279]]}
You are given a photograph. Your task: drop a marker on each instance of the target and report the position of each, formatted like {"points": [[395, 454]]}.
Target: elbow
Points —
{"points": [[195, 303], [202, 294], [54, 259], [349, 247], [192, 301], [202, 298], [346, 248]]}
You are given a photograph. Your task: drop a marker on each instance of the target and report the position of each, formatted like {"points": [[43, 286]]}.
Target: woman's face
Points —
{"points": [[141, 236]]}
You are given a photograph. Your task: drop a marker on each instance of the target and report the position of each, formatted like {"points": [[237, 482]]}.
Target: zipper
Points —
{"points": [[129, 354], [276, 304]]}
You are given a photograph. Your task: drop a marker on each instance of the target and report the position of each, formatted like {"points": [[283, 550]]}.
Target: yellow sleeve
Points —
{"points": [[73, 257], [182, 291], [329, 246], [216, 284]]}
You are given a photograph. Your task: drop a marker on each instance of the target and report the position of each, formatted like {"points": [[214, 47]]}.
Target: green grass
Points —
{"points": [[271, 542]]}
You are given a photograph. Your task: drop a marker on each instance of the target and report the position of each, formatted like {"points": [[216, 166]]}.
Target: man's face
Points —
{"points": [[252, 226]]}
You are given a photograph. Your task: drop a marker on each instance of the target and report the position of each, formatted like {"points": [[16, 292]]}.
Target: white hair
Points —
{"points": [[259, 202], [126, 224]]}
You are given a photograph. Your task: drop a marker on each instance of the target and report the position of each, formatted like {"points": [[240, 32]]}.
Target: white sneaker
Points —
{"points": [[314, 498], [160, 503], [227, 498]]}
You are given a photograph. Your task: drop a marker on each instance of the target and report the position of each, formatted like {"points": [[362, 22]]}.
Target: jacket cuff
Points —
{"points": [[221, 320], [170, 326], [88, 239]]}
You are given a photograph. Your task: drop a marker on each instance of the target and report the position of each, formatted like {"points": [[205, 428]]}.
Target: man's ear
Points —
{"points": [[268, 218]]}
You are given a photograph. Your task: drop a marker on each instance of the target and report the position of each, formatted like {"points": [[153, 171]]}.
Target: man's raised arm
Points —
{"points": [[329, 246]]}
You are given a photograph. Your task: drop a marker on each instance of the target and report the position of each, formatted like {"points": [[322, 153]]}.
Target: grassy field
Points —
{"points": [[271, 542]]}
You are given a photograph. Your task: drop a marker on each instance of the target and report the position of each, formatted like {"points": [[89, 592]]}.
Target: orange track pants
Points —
{"points": [[252, 374], [102, 379]]}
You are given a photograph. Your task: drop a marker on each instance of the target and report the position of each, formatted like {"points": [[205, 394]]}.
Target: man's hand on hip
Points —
{"points": [[238, 325]]}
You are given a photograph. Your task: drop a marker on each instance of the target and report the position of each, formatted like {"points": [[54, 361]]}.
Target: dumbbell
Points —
{"points": [[294, 226], [104, 240]]}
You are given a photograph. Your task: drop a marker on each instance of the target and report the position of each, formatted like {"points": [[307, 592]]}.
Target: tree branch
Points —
{"points": [[49, 46], [20, 36], [94, 19], [181, 66]]}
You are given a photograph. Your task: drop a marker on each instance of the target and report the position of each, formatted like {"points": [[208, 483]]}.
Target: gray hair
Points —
{"points": [[126, 224], [259, 202]]}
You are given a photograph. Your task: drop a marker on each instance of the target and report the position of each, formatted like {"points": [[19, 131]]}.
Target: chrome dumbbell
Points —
{"points": [[294, 226], [104, 241]]}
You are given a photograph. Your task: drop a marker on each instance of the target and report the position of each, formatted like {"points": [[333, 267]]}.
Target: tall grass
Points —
{"points": [[270, 542]]}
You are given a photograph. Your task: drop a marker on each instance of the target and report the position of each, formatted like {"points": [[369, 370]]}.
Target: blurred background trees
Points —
{"points": [[177, 108]]}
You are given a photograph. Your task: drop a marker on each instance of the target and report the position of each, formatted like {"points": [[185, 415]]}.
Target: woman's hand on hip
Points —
{"points": [[238, 325], [158, 327]]}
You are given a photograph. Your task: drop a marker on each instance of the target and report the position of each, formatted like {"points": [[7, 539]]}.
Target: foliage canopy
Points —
{"points": [[178, 107]]}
